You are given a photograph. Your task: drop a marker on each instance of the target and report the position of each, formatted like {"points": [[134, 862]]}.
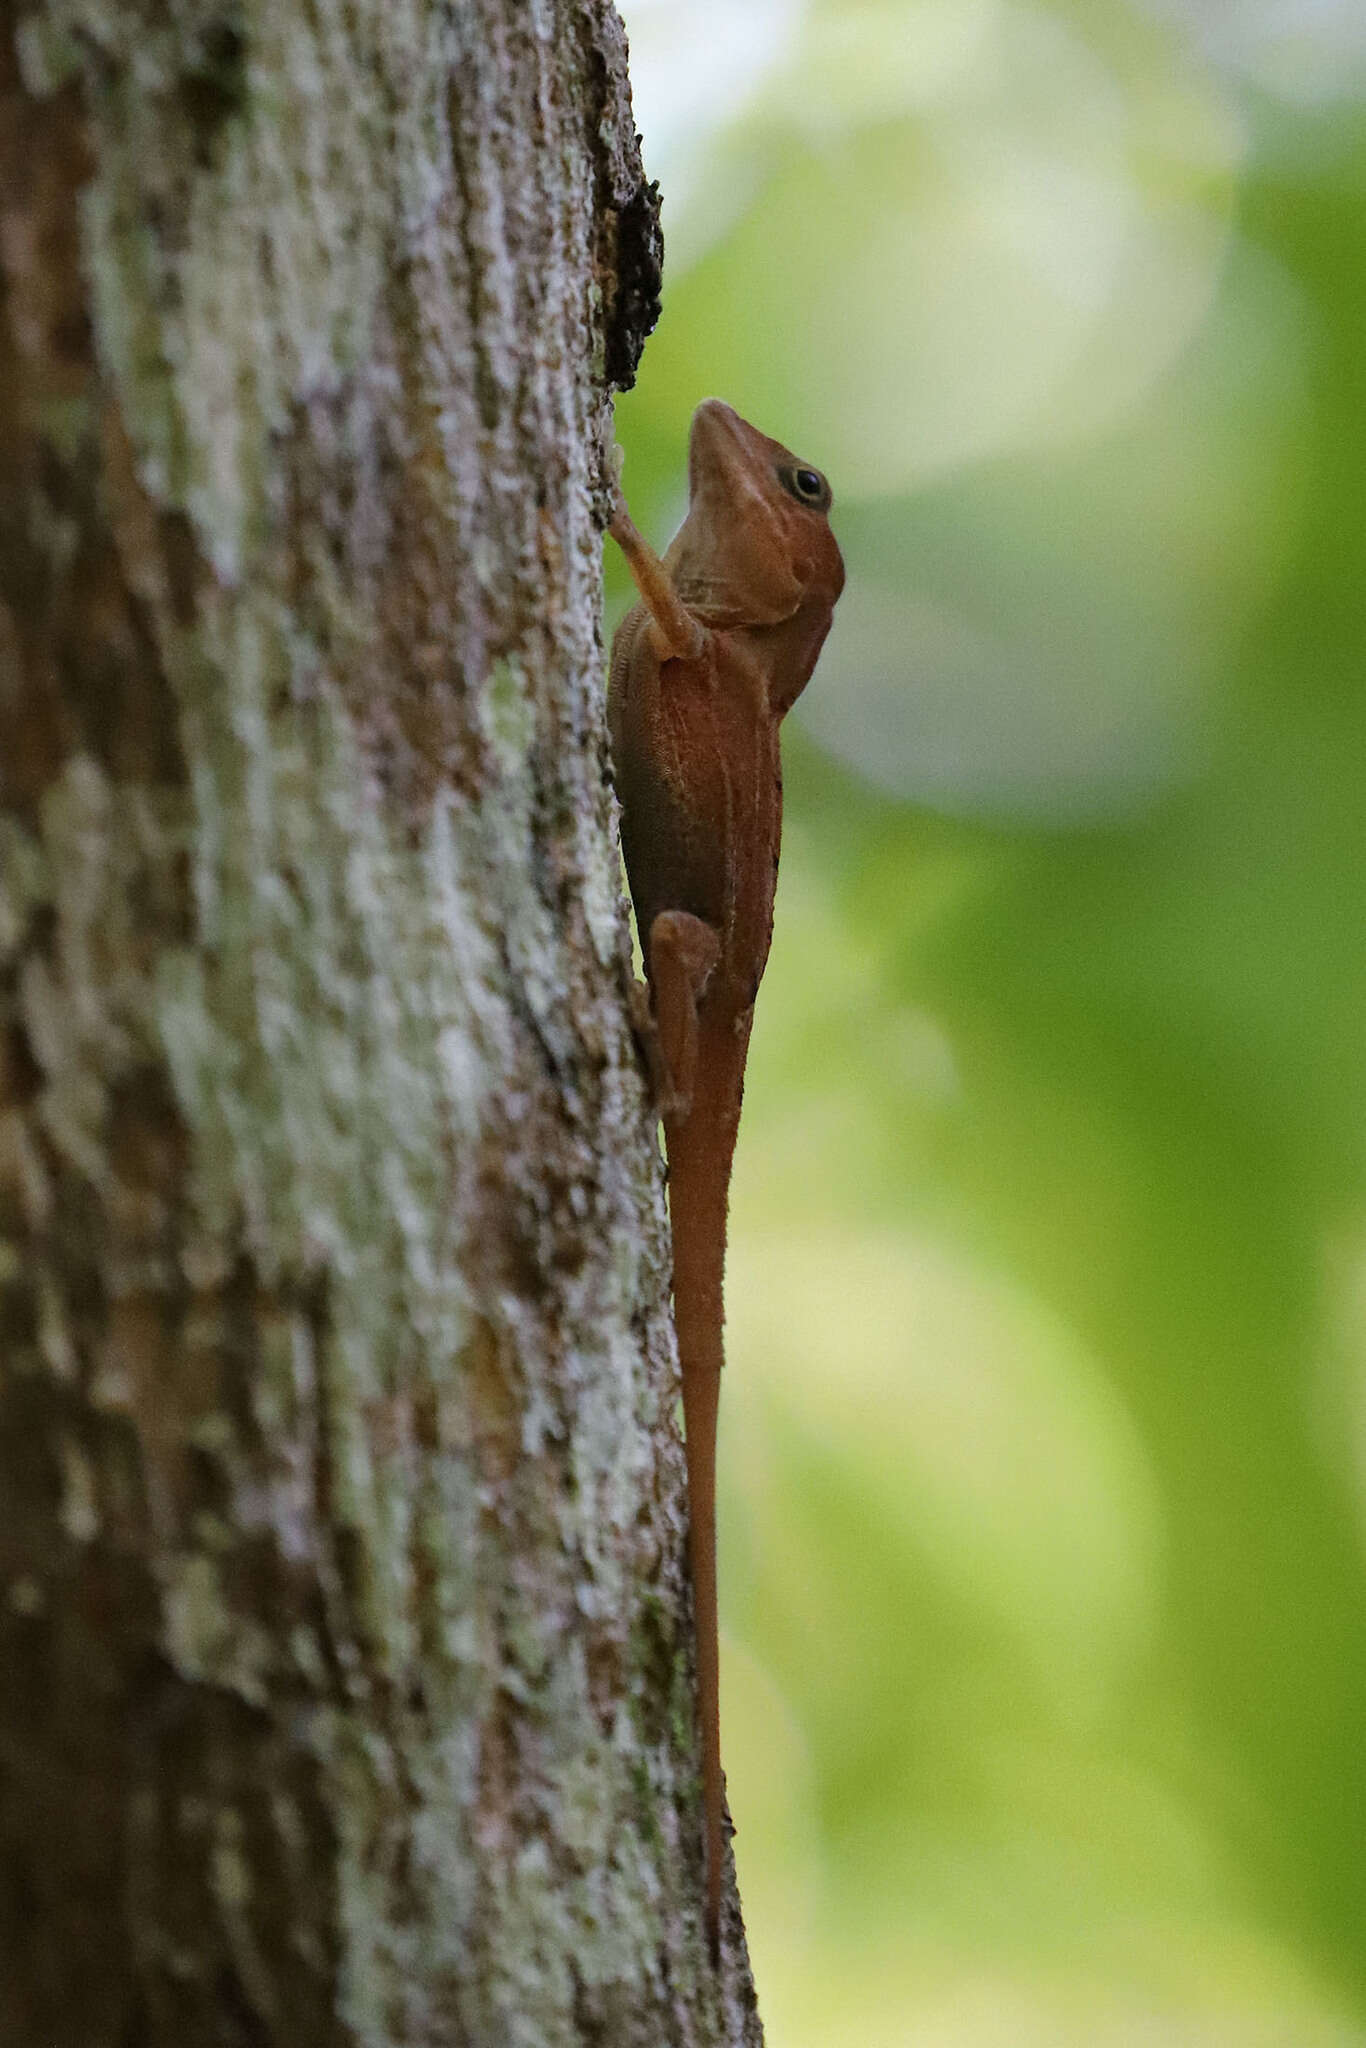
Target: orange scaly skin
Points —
{"points": [[704, 667]]}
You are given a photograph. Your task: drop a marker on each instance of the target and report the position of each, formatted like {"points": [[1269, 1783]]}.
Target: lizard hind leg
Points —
{"points": [[683, 952]]}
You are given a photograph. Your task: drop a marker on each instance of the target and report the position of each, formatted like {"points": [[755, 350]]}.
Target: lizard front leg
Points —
{"points": [[673, 629]]}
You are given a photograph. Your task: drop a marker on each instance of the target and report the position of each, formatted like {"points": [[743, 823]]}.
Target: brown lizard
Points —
{"points": [[721, 644]]}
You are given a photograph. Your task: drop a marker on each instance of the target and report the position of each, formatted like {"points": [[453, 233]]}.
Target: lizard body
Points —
{"points": [[704, 667]]}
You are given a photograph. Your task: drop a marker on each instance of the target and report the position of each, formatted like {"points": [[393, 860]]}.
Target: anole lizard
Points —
{"points": [[721, 644]]}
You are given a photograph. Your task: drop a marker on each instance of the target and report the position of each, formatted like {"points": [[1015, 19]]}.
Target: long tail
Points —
{"points": [[700, 1152]]}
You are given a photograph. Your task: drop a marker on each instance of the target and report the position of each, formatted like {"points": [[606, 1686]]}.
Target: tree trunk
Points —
{"points": [[347, 1694]]}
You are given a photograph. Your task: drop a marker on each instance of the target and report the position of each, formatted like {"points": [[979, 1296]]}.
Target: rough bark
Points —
{"points": [[343, 1627]]}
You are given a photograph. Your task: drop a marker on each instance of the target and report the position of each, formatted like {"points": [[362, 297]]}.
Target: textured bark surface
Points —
{"points": [[347, 1692]]}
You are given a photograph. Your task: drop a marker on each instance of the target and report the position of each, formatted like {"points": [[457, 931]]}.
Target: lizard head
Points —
{"points": [[756, 545]]}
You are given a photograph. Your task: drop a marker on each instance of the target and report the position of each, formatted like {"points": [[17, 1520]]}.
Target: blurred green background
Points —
{"points": [[1044, 1431]]}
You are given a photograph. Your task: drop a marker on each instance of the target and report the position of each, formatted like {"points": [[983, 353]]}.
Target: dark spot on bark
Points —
{"points": [[109, 671], [239, 2023], [42, 929], [634, 305], [20, 1074], [495, 1407], [147, 1140], [426, 1416], [195, 1757], [184, 565], [215, 89], [497, 1762], [72, 336], [656, 1653], [474, 229], [18, 1321], [629, 257], [605, 1678], [77, 1235], [590, 2025]]}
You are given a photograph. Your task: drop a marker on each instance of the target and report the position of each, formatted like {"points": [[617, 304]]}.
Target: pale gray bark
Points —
{"points": [[343, 1623]]}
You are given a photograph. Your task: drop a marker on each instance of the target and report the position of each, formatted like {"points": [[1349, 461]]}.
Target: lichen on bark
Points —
{"points": [[340, 1515]]}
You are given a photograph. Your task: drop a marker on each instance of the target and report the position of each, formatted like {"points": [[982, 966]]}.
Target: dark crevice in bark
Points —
{"points": [[628, 258]]}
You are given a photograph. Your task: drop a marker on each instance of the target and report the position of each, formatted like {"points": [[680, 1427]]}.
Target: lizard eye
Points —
{"points": [[808, 486]]}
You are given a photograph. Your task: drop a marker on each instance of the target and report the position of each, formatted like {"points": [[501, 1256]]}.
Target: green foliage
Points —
{"points": [[1045, 1429]]}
